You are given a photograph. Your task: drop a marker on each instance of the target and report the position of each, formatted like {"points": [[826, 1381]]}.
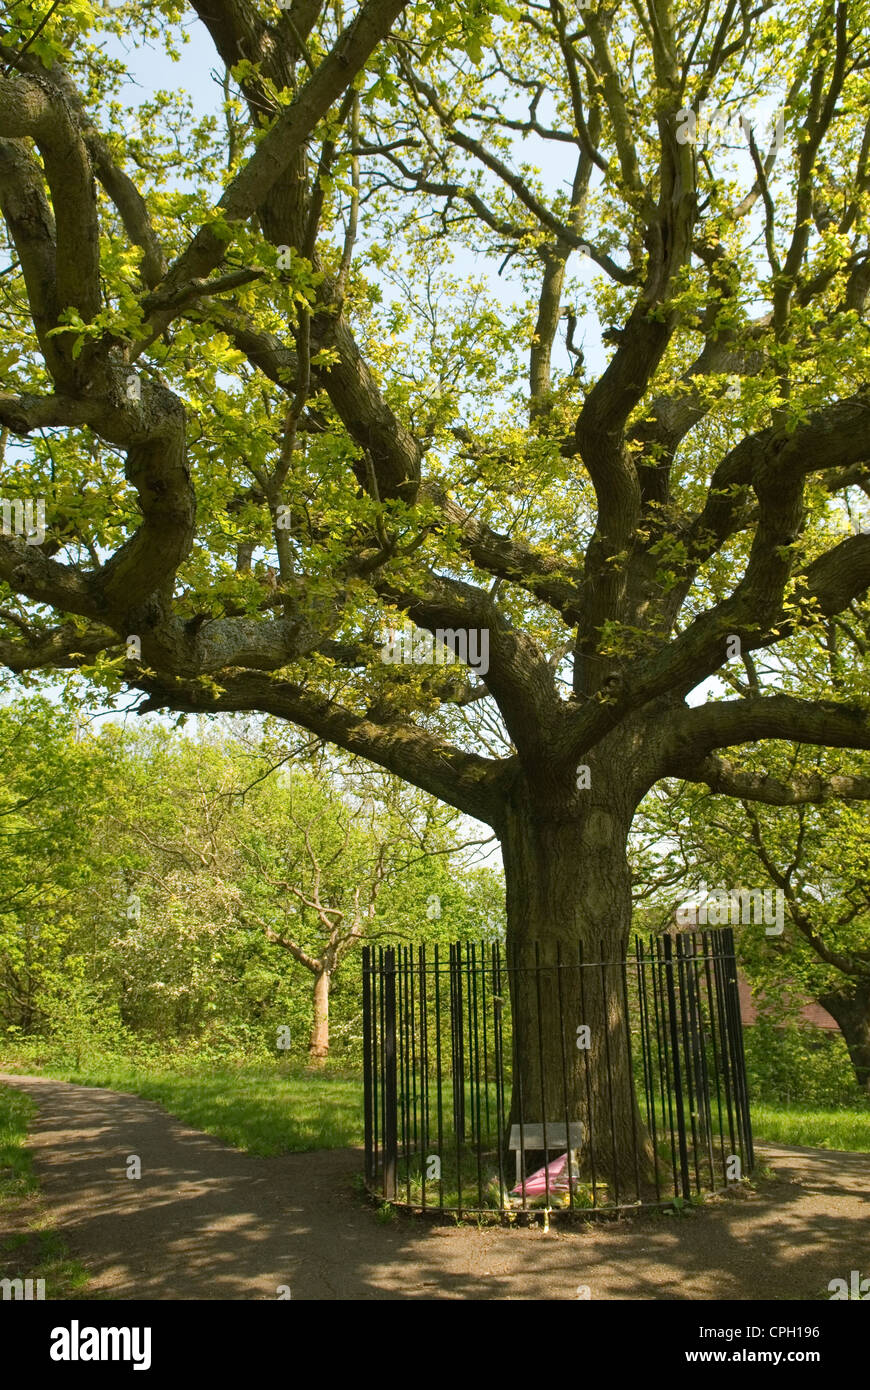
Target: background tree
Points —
{"points": [[325, 428], [816, 856], [319, 865], [141, 867], [55, 786]]}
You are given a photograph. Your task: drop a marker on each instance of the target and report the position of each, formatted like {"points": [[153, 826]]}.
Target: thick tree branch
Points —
{"points": [[33, 107], [251, 186], [695, 733], [463, 780], [721, 775]]}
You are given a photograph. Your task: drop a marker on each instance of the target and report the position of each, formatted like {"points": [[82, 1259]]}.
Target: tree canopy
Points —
{"points": [[269, 419]]}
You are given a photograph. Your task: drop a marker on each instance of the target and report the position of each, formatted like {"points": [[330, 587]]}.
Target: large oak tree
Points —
{"points": [[272, 418]]}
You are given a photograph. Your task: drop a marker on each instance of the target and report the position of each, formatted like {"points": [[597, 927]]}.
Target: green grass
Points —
{"points": [[36, 1251], [274, 1108], [263, 1109], [814, 1129], [17, 1178]]}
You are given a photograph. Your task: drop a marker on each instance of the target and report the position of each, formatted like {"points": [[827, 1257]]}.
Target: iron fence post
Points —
{"points": [[677, 1073], [368, 1079], [391, 1134]]}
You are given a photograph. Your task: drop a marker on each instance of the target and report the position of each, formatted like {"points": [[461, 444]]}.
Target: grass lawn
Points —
{"points": [[276, 1108], [814, 1129], [263, 1109], [31, 1248]]}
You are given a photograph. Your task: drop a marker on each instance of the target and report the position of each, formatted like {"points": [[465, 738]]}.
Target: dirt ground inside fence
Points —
{"points": [[205, 1221]]}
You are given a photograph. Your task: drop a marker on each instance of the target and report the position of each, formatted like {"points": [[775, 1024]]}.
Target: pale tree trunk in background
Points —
{"points": [[344, 930], [318, 1045]]}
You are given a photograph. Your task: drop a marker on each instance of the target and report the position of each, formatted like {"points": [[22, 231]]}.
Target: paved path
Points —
{"points": [[208, 1222]]}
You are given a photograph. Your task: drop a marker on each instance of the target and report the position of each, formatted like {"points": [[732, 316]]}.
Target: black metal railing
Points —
{"points": [[479, 1060]]}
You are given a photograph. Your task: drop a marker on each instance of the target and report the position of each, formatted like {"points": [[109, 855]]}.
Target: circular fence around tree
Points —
{"points": [[504, 1082]]}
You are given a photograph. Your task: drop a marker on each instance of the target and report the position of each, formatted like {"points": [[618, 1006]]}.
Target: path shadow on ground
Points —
{"points": [[205, 1221]]}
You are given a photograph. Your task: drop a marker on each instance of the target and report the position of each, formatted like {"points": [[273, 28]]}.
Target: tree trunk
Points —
{"points": [[318, 1045], [568, 894], [851, 1008]]}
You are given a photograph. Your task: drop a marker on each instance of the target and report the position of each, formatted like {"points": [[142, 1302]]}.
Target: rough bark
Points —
{"points": [[568, 893], [851, 1008]]}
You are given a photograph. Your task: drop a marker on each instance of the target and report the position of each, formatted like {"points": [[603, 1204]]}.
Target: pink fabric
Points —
{"points": [[536, 1184]]}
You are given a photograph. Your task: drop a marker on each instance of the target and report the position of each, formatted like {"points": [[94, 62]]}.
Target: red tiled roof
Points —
{"points": [[810, 1012]]}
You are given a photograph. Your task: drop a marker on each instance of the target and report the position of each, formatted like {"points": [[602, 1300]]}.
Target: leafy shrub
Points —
{"points": [[799, 1064]]}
